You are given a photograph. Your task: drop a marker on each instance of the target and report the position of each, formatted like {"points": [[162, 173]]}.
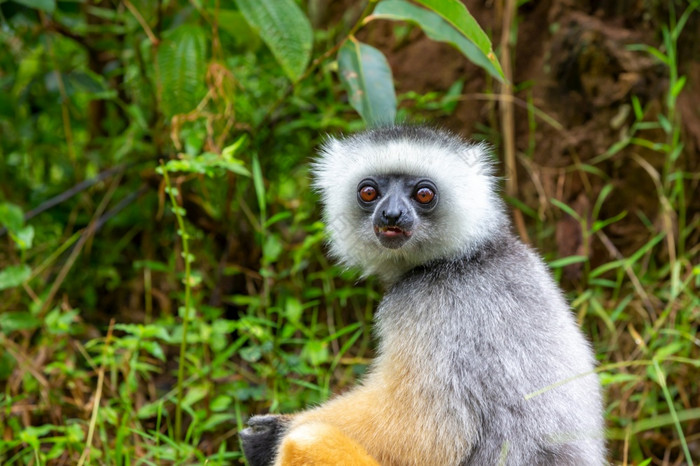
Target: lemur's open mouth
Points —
{"points": [[392, 231]]}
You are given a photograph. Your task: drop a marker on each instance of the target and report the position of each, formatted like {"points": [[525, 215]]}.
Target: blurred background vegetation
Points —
{"points": [[162, 266]]}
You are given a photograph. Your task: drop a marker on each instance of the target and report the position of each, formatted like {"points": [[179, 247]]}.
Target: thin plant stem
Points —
{"points": [[178, 211], [98, 396]]}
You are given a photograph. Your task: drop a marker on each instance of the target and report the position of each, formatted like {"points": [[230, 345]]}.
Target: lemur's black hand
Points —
{"points": [[262, 437]]}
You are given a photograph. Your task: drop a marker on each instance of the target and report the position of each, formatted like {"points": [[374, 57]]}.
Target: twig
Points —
{"points": [[98, 395], [97, 222], [639, 288], [65, 111], [507, 118], [146, 28]]}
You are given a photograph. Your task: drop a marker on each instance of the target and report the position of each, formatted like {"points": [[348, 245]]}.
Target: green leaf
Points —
{"points": [[214, 420], [366, 76], [272, 248], [609, 378], [221, 403], [665, 124], [14, 275], [567, 209], [234, 23], [195, 394], [293, 309], [208, 164], [181, 69], [455, 13], [59, 322], [285, 30], [678, 86], [154, 349], [259, 185], [11, 216], [149, 409], [564, 261], [29, 67], [600, 224], [650, 50], [22, 320], [45, 5], [638, 111], [604, 193], [668, 350], [316, 352], [24, 237], [88, 82], [440, 30]]}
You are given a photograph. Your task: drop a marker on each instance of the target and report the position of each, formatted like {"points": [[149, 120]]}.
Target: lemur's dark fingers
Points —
{"points": [[262, 438]]}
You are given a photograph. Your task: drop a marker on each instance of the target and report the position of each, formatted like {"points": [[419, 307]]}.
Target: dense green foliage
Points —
{"points": [[162, 266]]}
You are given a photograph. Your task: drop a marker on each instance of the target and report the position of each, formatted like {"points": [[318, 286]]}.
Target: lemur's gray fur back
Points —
{"points": [[477, 311], [500, 330]]}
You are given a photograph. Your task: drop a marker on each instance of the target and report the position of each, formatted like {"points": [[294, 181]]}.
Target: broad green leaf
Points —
{"points": [[22, 320], [45, 5], [29, 67], [88, 82], [181, 69], [214, 420], [14, 275], [11, 216], [24, 237], [194, 394], [316, 352], [234, 23], [668, 350], [455, 13], [366, 76], [285, 30], [438, 29], [59, 322], [293, 309], [150, 409]]}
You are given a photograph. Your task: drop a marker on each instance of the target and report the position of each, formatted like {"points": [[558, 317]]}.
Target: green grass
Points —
{"points": [[147, 315]]}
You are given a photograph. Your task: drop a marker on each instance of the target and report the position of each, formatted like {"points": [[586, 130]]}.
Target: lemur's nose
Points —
{"points": [[392, 216]]}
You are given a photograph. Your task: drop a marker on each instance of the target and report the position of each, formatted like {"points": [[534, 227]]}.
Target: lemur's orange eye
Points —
{"points": [[368, 193], [425, 195]]}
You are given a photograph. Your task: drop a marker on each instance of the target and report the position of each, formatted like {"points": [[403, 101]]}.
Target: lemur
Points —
{"points": [[470, 331]]}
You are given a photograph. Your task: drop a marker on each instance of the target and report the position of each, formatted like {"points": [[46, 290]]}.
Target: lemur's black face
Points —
{"points": [[396, 204]]}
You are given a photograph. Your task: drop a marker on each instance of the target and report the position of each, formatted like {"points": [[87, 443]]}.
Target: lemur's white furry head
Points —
{"points": [[468, 211]]}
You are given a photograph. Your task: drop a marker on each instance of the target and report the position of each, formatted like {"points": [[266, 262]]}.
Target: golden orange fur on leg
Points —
{"points": [[317, 444]]}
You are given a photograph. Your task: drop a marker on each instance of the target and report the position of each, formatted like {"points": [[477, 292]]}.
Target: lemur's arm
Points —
{"points": [[384, 421], [312, 437]]}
